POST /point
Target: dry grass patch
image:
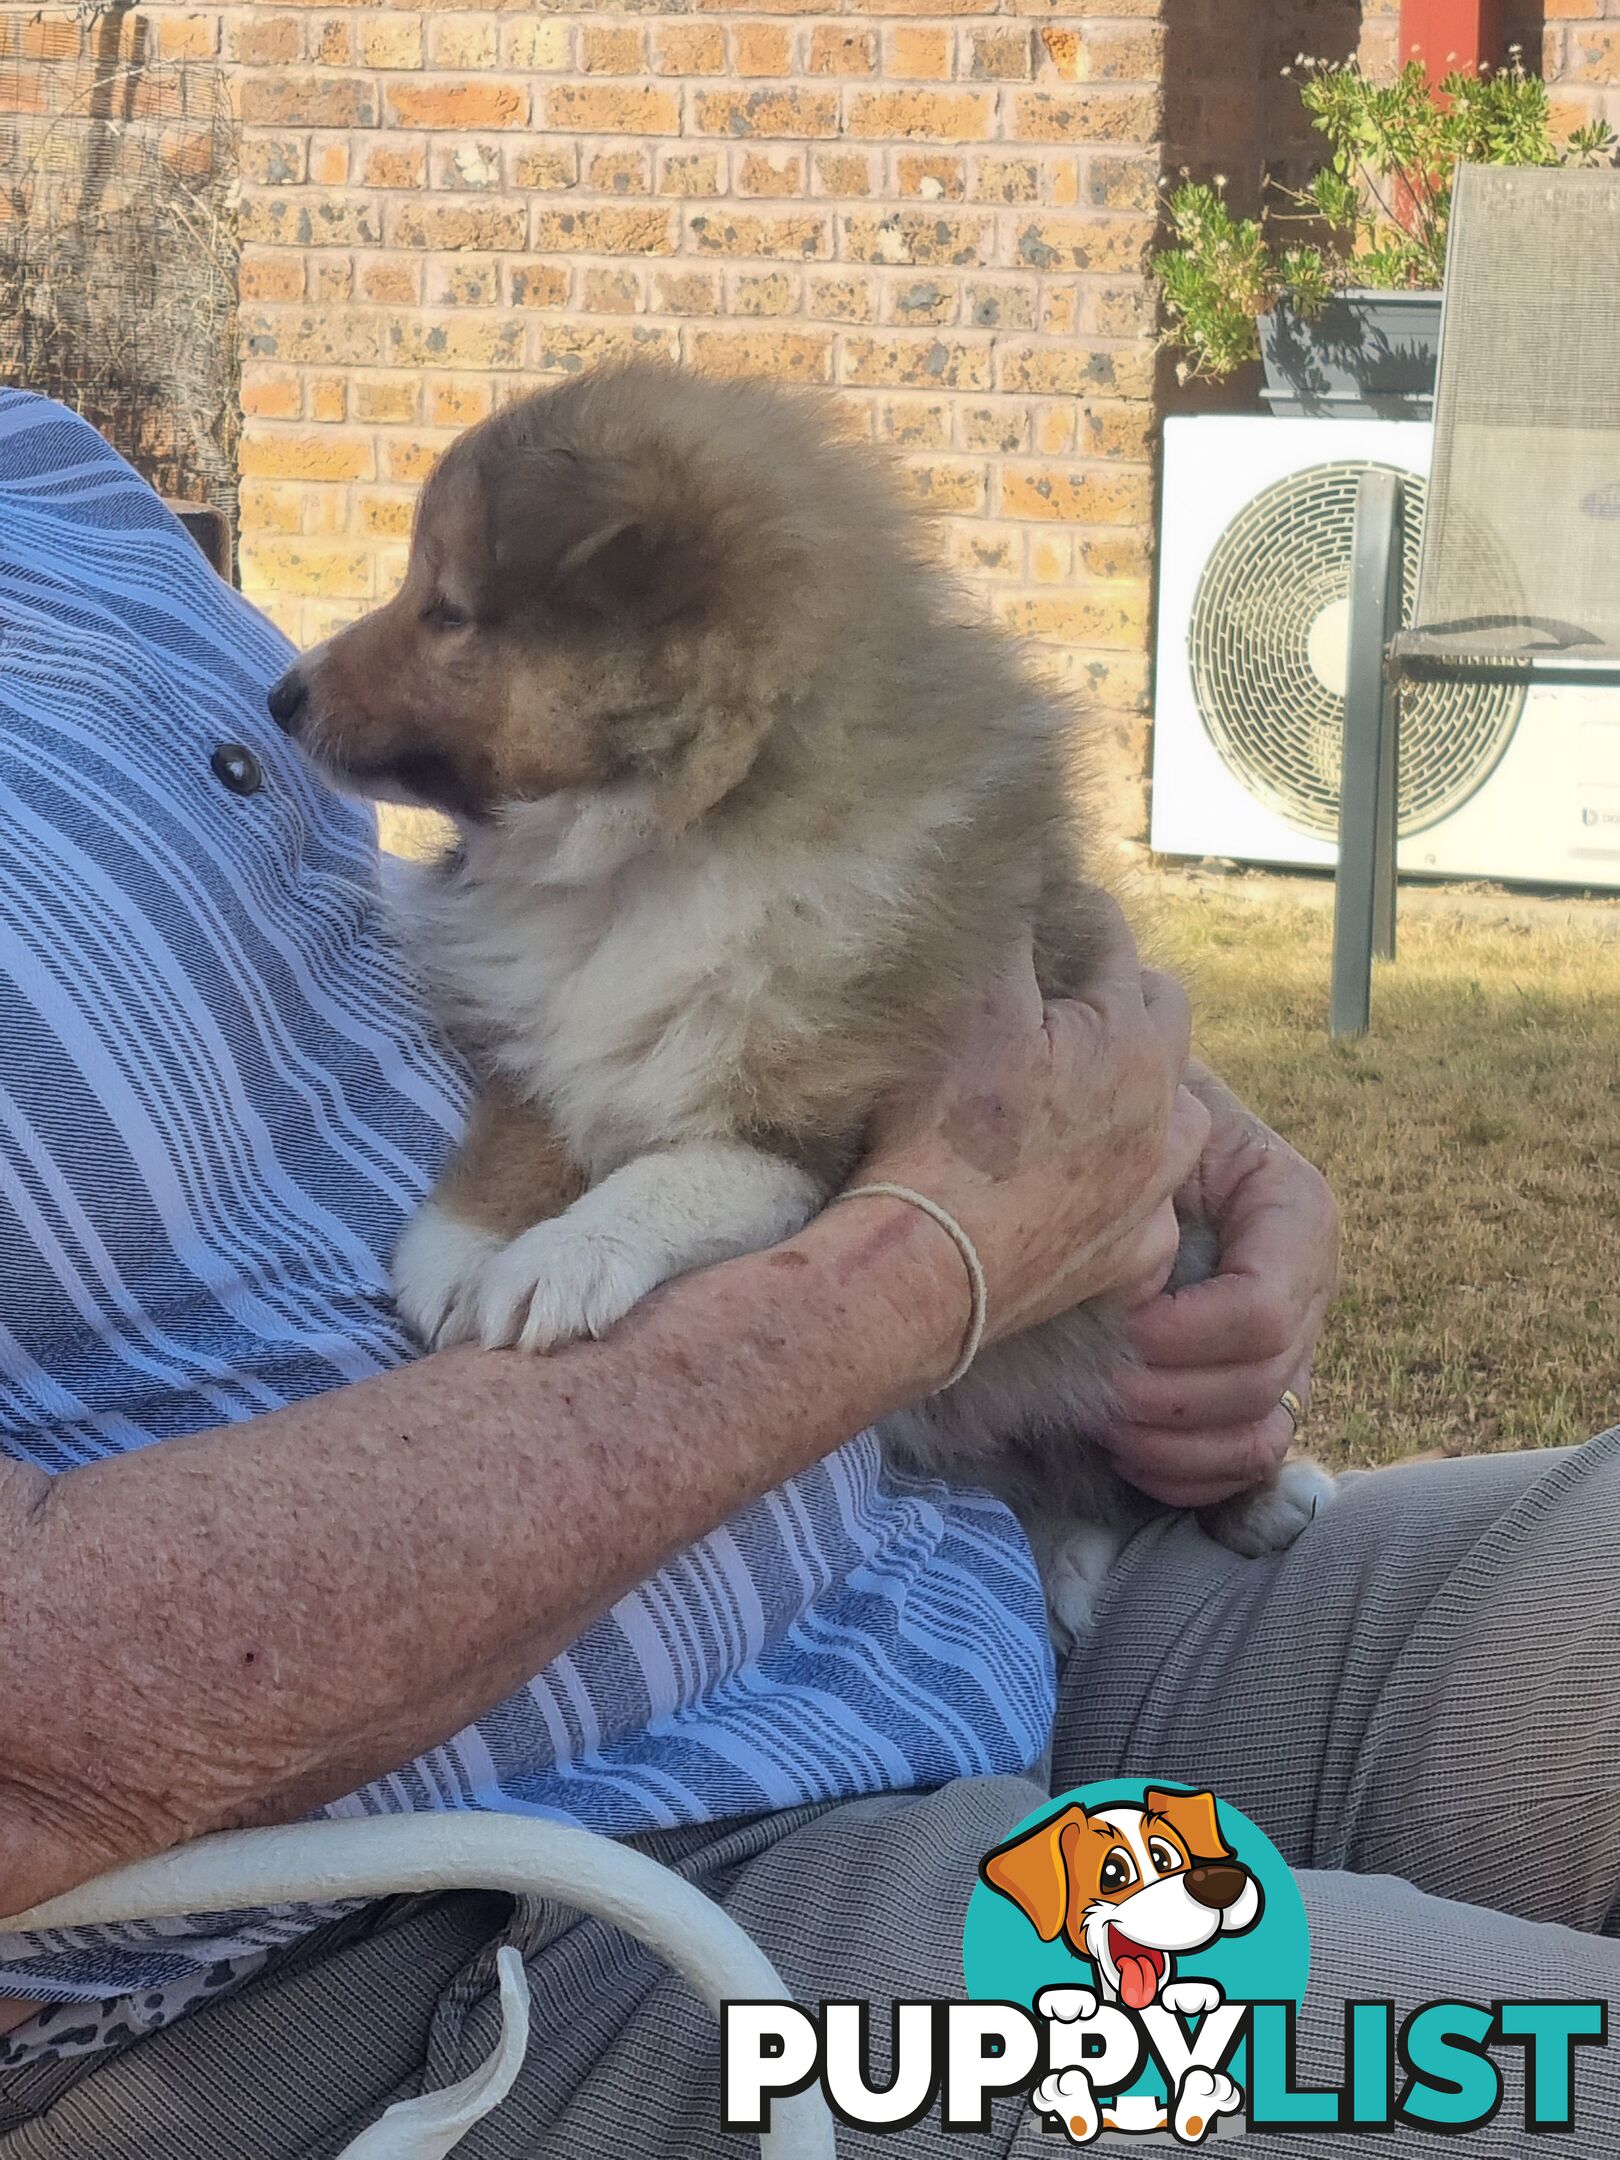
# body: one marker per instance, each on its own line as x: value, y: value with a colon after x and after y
x: 1473, y: 1140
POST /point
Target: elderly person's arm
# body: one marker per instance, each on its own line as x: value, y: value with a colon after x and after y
x: 238, y: 1626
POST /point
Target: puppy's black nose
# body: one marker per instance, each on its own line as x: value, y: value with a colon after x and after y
x: 1217, y: 1887
x: 287, y: 700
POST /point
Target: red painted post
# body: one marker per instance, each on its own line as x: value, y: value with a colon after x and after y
x: 1447, y: 34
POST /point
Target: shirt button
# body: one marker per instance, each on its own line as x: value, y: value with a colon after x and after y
x: 235, y: 767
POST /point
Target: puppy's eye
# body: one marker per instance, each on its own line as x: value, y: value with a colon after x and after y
x: 442, y: 614
x: 1118, y: 1872
x: 1164, y: 1857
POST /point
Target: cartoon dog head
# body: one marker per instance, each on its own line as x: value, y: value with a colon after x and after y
x: 1129, y: 1887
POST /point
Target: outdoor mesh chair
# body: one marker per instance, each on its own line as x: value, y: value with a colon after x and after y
x: 1519, y: 571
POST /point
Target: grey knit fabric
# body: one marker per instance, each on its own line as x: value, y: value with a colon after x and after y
x: 1427, y: 1688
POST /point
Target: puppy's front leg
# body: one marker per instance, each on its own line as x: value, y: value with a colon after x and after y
x: 659, y: 1215
x: 510, y: 1172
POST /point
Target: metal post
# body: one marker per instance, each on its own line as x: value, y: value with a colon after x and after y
x: 1364, y: 899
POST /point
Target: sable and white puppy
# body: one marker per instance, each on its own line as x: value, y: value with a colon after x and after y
x: 1132, y: 1888
x: 748, y: 808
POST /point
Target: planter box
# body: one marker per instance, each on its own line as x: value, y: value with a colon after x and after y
x: 1367, y: 355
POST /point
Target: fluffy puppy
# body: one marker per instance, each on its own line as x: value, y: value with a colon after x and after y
x: 748, y: 808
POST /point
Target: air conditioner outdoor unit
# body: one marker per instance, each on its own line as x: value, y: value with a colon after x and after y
x: 1497, y: 780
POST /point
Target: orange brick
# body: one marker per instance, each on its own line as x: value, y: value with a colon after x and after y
x: 379, y: 510
x: 621, y: 171
x: 917, y: 54
x: 320, y: 337
x: 329, y: 163
x: 326, y: 453
x: 459, y: 42
x: 611, y: 292
x: 928, y: 362
x: 1006, y: 304
x: 844, y: 173
x: 1076, y: 495
x: 1001, y: 430
x: 761, y: 49
x: 271, y: 393
x: 330, y: 277
x: 686, y: 292
x: 1123, y: 183
x: 458, y: 402
x: 570, y: 348
x: 545, y: 46
x: 689, y: 49
x: 922, y: 300
x: 538, y: 286
x: 835, y: 50
x: 1117, y: 430
x: 305, y: 219
x: 391, y: 41
x: 1071, y: 370
x: 264, y: 41
x: 690, y: 172
x: 1051, y: 557
x: 274, y: 160
x: 1123, y: 311
x: 997, y: 56
x: 479, y: 224
x: 612, y: 49
x: 798, y: 237
x: 1096, y: 616
x: 951, y: 485
x: 935, y: 175
x: 271, y: 506
x: 1115, y: 555
x: 1054, y: 430
x: 918, y: 423
x: 387, y: 398
x: 465, y: 342
x: 328, y: 398
x: 463, y: 281
x: 1086, y: 116
x: 766, y: 112
x: 762, y: 172
x: 1594, y: 55
x: 770, y: 292
x: 547, y: 169
x: 291, y: 100
x: 923, y: 115
x: 394, y: 165
x: 985, y: 550
x: 457, y: 105
x: 277, y: 276
x: 603, y: 231
x: 613, y: 109
x: 308, y: 566
x: 783, y: 355
x: 391, y: 283
x: 1080, y: 243
x: 331, y: 43
x: 935, y: 237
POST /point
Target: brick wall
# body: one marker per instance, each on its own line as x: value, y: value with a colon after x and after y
x: 941, y: 207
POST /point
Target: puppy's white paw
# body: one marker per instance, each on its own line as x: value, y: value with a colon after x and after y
x: 1191, y: 1998
x: 1202, y: 2098
x: 1268, y: 1521
x: 438, y: 1265
x: 1068, y: 2005
x: 1074, y: 1569
x: 560, y: 1281
x: 1067, y: 2094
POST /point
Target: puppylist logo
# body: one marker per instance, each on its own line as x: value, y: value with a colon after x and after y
x: 1135, y: 1956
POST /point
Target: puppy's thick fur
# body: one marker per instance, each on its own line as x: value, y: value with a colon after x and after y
x: 749, y: 807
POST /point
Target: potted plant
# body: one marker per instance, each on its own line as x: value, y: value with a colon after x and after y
x: 1346, y: 313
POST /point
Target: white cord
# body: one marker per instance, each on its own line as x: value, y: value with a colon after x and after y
x: 964, y: 1245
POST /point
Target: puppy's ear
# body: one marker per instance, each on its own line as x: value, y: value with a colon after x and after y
x: 591, y: 538
x: 1033, y: 1870
x: 1193, y: 1818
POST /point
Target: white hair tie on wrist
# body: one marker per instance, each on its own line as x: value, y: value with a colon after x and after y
x: 970, y: 1259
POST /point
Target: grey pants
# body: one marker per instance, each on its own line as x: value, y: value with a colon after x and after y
x: 1420, y: 1703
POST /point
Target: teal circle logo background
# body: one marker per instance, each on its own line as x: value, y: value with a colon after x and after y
x: 1004, y: 1960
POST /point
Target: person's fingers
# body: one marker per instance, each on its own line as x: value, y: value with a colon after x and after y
x: 1228, y: 1320
x: 1010, y: 1004
x: 1187, y: 1138
x: 1200, y: 1397
x: 1170, y: 1014
x: 1195, y: 1470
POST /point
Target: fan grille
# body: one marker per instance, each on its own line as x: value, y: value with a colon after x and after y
x: 1267, y: 647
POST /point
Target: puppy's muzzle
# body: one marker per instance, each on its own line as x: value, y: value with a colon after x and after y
x: 288, y: 701
x: 1216, y: 1887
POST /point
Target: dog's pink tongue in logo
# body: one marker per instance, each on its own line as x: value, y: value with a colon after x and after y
x: 1139, y: 1970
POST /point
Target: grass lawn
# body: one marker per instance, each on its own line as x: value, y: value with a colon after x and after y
x: 1473, y: 1140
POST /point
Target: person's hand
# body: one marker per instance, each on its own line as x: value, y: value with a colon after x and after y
x: 1057, y: 1137
x: 1204, y: 1416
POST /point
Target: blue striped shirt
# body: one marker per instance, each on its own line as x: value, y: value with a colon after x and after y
x: 220, y: 1098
